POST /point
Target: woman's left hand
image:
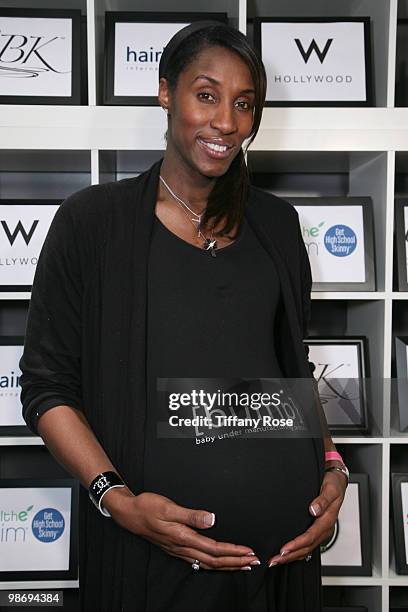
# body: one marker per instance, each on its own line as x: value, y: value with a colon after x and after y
x: 326, y: 508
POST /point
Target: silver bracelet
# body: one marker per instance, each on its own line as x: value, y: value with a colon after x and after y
x: 343, y: 470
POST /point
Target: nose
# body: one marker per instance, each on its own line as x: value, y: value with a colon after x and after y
x: 224, y: 118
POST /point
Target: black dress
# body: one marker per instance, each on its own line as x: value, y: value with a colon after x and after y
x: 214, y: 317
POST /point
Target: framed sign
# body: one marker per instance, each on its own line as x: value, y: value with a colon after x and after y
x: 24, y: 225
x: 348, y: 550
x: 401, y: 354
x: 134, y: 42
x: 39, y: 519
x: 11, y: 419
x: 401, y: 235
x: 339, y: 238
x: 399, y: 483
x: 40, y: 56
x: 341, y: 368
x: 316, y: 61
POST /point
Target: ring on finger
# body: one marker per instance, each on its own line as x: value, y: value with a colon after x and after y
x: 308, y: 557
x: 196, y: 564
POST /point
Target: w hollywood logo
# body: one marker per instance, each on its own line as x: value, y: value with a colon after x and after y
x: 306, y: 53
x: 19, y: 229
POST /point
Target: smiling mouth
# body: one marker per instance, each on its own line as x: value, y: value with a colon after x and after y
x: 218, y: 151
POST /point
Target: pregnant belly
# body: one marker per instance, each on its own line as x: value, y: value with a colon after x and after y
x: 259, y: 489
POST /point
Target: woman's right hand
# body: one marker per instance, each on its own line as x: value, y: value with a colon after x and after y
x: 164, y: 523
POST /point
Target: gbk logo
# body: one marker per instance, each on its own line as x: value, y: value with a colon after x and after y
x: 306, y: 53
x: 19, y: 229
x: 18, y: 49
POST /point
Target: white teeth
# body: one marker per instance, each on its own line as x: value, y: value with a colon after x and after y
x: 215, y: 147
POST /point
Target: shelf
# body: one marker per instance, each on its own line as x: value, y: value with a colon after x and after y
x: 348, y: 295
x: 21, y: 441
x: 358, y: 440
x: 315, y: 295
x: 39, y: 584
x: 397, y: 579
x: 141, y: 127
x: 399, y: 438
x: 374, y: 580
x: 15, y: 295
x: 399, y: 295
x: 37, y: 441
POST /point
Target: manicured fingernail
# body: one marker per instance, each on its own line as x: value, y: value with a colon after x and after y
x: 272, y: 563
x: 284, y: 552
x: 256, y: 562
x: 315, y: 509
x: 209, y: 519
x: 246, y: 567
x: 251, y: 553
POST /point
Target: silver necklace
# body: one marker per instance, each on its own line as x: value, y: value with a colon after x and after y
x: 209, y: 244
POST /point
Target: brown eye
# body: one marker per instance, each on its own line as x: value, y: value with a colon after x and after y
x: 205, y: 95
x: 244, y: 105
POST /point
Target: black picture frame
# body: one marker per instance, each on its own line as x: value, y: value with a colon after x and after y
x: 13, y: 430
x: 369, y: 101
x: 46, y: 575
x: 361, y: 344
x: 401, y: 553
x: 75, y: 16
x: 369, y: 248
x: 25, y: 202
x: 401, y: 344
x: 114, y: 17
x: 401, y: 68
x: 401, y: 237
x: 364, y: 533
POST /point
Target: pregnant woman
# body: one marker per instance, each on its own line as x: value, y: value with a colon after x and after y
x: 189, y: 272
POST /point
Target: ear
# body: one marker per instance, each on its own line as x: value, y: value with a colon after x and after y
x: 164, y: 93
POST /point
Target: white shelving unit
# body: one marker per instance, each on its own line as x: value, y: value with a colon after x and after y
x: 52, y: 151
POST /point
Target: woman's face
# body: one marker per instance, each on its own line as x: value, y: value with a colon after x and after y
x: 210, y: 111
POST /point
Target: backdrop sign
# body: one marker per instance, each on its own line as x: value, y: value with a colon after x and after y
x: 134, y: 43
x: 138, y: 49
x: 401, y: 230
x: 316, y: 61
x: 23, y: 228
x: 36, y: 529
x: 399, y: 483
x: 39, y: 56
x: 401, y: 354
x: 10, y: 404
x: 340, y: 371
x: 406, y: 241
x: 338, y: 234
x: 348, y: 553
x: 404, y: 502
x: 349, y: 517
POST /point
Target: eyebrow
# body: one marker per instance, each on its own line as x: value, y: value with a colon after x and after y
x: 215, y: 82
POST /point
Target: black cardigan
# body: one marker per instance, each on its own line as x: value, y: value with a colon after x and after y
x: 85, y: 347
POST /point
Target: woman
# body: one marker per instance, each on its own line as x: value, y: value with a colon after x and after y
x: 184, y: 271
